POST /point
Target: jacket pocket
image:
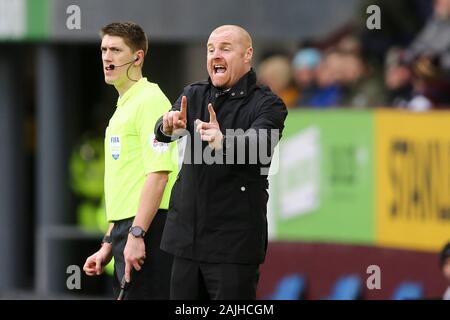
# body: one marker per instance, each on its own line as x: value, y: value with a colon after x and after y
x: 229, y: 206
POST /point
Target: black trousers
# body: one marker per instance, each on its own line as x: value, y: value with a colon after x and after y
x: 192, y: 280
x: 152, y: 282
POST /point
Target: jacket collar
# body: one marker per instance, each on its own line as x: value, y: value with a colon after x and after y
x: 240, y: 89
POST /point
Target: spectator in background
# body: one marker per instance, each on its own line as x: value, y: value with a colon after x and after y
x: 361, y: 85
x: 434, y: 39
x: 305, y: 65
x: 419, y: 85
x: 275, y: 72
x: 445, y: 267
x: 329, y: 91
x: 431, y: 85
x: 350, y: 44
x: 429, y: 57
x: 397, y: 79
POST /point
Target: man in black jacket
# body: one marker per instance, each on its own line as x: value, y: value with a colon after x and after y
x: 216, y: 226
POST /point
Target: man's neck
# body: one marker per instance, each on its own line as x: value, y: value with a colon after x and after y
x: 127, y: 84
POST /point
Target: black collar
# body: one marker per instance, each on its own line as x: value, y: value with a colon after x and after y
x: 240, y: 89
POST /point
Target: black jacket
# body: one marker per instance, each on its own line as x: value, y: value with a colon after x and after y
x: 217, y: 212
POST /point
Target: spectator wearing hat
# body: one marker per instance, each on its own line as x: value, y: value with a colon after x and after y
x: 305, y: 65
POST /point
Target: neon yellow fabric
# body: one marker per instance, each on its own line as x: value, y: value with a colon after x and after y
x: 131, y: 151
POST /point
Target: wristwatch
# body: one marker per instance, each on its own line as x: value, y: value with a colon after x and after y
x: 107, y: 239
x: 137, y: 231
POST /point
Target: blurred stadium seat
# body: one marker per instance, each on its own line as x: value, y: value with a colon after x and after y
x: 408, y: 291
x: 290, y: 287
x: 347, y: 287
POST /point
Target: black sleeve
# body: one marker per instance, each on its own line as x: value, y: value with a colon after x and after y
x: 159, y: 135
x: 259, y: 141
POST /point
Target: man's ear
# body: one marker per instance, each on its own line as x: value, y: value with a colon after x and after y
x: 139, y: 56
x: 248, y: 55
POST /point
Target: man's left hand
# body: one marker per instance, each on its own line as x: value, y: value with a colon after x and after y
x: 210, y: 131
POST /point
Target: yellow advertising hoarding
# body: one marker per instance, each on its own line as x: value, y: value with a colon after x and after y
x: 412, y: 176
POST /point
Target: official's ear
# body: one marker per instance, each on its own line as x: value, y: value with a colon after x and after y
x: 139, y: 57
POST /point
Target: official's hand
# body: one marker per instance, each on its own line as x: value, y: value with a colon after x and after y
x: 210, y: 131
x: 175, y: 121
x: 134, y: 255
x: 95, y: 264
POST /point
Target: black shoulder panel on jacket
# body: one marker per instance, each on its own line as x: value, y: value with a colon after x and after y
x: 199, y: 83
x: 265, y: 89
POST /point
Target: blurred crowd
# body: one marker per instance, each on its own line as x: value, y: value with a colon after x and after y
x: 405, y: 64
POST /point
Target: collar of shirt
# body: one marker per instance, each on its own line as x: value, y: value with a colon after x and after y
x: 131, y: 91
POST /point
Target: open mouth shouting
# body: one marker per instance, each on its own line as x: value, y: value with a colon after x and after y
x: 220, y: 74
x: 219, y: 68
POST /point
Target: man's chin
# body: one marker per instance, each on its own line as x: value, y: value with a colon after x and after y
x: 109, y: 80
x: 218, y: 83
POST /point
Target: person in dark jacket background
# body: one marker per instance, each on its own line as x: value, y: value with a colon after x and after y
x: 216, y: 226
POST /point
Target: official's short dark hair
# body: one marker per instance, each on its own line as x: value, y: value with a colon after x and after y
x: 132, y: 34
x: 445, y: 253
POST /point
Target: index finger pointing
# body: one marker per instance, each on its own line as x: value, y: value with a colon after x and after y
x: 212, y: 114
x: 183, y: 107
